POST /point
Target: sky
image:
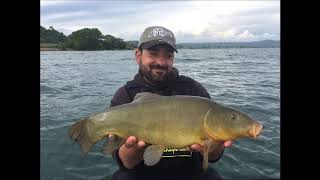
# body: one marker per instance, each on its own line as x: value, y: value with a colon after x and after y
x: 190, y: 21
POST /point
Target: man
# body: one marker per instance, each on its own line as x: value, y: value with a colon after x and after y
x: 155, y: 56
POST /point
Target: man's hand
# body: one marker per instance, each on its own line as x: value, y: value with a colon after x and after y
x: 131, y: 152
x: 214, y: 154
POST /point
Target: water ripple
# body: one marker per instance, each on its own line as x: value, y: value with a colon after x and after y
x: 74, y: 84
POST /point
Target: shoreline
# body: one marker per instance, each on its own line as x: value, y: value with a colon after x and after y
x: 58, y: 49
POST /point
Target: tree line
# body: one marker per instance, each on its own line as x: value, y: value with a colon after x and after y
x: 83, y: 39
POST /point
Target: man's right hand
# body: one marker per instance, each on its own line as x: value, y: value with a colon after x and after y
x: 131, y: 152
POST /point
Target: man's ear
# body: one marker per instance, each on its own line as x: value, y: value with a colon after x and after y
x: 138, y: 55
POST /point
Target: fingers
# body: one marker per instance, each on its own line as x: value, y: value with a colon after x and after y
x: 133, y: 142
x: 199, y: 148
x: 112, y: 137
x: 141, y: 144
x: 196, y: 147
x: 130, y: 142
x: 227, y: 143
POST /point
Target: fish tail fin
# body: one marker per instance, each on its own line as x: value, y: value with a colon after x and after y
x: 79, y: 133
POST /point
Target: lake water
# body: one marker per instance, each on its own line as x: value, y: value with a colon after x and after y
x: 75, y: 84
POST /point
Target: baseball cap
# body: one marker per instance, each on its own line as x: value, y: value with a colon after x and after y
x: 155, y: 35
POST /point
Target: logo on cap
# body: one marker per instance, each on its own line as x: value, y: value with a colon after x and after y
x: 156, y: 32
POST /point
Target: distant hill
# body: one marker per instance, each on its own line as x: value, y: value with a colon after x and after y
x: 215, y: 45
x: 212, y: 45
x: 93, y: 39
x: 132, y: 44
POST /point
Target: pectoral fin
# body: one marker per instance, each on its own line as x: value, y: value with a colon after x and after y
x: 152, y: 154
x: 112, y: 144
x: 207, y: 148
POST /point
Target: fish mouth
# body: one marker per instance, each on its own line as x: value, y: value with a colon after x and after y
x: 255, y: 130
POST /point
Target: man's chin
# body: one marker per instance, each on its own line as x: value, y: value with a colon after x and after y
x: 158, y: 77
x: 155, y: 75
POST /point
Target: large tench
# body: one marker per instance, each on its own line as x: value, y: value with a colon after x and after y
x: 165, y: 122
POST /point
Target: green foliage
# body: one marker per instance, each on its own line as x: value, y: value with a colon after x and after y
x: 110, y: 42
x: 51, y: 35
x: 83, y: 39
x: 92, y: 39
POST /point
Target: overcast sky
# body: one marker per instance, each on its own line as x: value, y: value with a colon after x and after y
x: 190, y: 21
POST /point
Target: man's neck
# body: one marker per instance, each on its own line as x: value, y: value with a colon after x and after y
x: 148, y: 80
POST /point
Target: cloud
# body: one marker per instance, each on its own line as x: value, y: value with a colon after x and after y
x: 191, y: 21
x: 244, y: 23
x: 50, y: 3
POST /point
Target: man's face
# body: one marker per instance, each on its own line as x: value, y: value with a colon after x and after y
x: 156, y: 62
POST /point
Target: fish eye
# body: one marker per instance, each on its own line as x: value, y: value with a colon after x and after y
x: 233, y: 116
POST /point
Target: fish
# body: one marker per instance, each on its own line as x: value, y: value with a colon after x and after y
x: 165, y: 122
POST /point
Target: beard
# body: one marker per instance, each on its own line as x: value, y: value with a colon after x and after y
x: 156, y: 73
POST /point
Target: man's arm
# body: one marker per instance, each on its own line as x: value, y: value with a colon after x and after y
x: 199, y: 90
x: 120, y: 97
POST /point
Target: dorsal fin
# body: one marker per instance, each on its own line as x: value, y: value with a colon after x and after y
x: 144, y: 96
